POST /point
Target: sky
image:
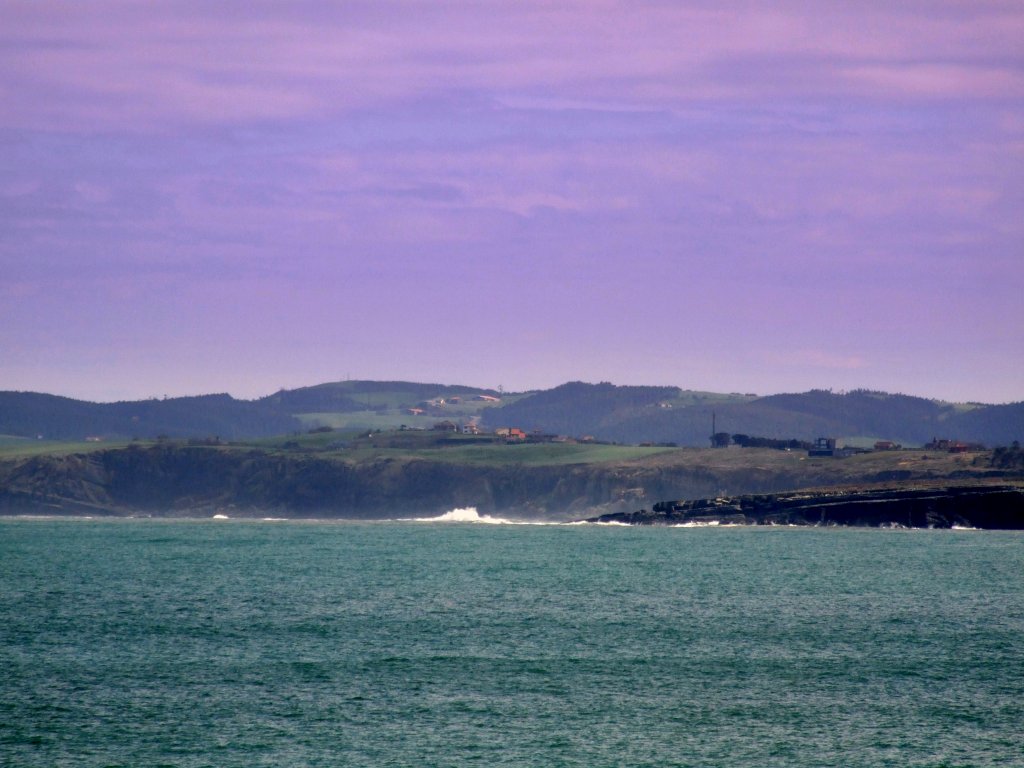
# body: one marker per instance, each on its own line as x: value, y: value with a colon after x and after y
x: 731, y: 196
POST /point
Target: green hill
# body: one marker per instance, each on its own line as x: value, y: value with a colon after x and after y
x: 352, y: 396
x: 623, y: 414
x: 30, y: 414
x: 665, y: 414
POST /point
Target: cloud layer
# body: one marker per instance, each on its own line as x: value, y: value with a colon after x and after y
x: 714, y: 195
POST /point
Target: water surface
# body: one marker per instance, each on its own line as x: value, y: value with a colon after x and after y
x: 223, y: 643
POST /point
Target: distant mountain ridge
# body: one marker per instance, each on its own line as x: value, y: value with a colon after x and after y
x: 626, y: 414
x: 31, y: 414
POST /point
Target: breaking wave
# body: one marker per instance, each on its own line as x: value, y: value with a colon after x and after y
x: 603, y: 522
x: 470, y: 515
x: 465, y: 515
x: 698, y: 524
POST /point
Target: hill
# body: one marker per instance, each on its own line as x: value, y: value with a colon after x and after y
x: 30, y: 414
x: 347, y: 404
x: 606, y: 412
x: 665, y: 414
x: 360, y: 395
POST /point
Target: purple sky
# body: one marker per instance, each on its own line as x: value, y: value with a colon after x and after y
x: 203, y: 197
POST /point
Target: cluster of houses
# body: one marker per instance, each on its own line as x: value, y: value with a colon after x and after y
x: 439, y: 403
x: 469, y: 428
x: 826, y: 446
x: 952, y: 446
x: 509, y: 434
x: 437, y: 406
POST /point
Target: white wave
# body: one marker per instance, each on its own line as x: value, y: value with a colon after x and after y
x: 965, y: 528
x: 698, y: 524
x: 221, y: 517
x: 464, y: 515
x: 470, y: 515
x: 598, y: 522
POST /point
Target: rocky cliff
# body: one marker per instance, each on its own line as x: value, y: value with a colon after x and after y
x: 181, y: 480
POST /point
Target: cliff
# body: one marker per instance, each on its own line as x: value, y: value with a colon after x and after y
x: 185, y: 480
x: 195, y: 480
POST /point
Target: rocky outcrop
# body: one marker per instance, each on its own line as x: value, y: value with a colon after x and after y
x: 987, y: 507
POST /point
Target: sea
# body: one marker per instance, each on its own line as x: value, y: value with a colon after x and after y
x: 464, y: 640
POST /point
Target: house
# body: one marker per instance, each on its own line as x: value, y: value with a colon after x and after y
x: 470, y: 429
x: 414, y: 411
x: 488, y: 398
x: 446, y: 426
x: 510, y: 433
x: 826, y: 446
x: 887, y: 445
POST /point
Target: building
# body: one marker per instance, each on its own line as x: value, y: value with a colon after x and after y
x: 826, y: 446
x: 510, y: 433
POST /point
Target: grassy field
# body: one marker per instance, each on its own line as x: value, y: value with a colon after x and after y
x: 398, y: 399
x: 690, y: 397
x: 20, y: 447
x: 486, y: 450
x: 453, y: 448
x: 363, y: 420
x: 388, y: 410
x: 832, y: 471
x: 536, y: 454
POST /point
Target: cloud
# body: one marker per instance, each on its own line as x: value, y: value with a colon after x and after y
x: 816, y: 358
x: 716, y: 169
x: 120, y: 66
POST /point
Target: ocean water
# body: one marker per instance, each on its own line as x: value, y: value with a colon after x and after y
x: 449, y: 643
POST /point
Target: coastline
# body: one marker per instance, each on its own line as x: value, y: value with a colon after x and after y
x: 985, y: 507
x: 753, y: 486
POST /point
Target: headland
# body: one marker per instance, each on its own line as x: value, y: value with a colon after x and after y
x: 991, y: 507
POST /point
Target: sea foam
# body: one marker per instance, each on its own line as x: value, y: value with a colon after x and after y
x: 465, y: 515
x: 471, y: 515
